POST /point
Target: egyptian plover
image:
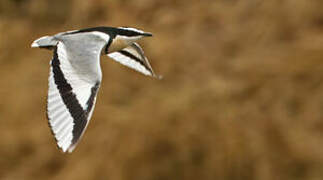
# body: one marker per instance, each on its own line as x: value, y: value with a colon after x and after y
x: 75, y: 74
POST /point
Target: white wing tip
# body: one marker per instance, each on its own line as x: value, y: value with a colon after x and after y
x: 34, y: 44
x: 66, y: 147
x: 71, y: 148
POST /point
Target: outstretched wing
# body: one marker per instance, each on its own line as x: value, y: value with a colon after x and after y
x: 133, y: 57
x: 74, y: 81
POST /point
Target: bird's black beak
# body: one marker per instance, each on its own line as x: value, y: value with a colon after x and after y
x: 147, y: 34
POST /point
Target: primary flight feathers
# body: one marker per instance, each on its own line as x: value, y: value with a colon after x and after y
x: 75, y: 74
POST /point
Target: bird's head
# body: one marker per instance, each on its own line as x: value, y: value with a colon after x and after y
x: 125, y: 36
x: 116, y: 39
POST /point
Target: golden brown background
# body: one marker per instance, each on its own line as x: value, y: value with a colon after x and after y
x: 241, y: 98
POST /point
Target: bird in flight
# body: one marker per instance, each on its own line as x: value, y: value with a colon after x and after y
x: 75, y: 74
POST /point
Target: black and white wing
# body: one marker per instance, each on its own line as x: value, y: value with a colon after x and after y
x: 74, y: 80
x: 133, y: 57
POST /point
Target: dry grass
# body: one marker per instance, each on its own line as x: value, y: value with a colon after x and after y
x: 241, y: 98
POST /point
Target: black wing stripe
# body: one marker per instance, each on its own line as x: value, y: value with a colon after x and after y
x: 69, y: 98
x: 90, y: 101
x: 131, y: 56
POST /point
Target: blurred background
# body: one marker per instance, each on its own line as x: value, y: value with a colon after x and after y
x: 241, y: 97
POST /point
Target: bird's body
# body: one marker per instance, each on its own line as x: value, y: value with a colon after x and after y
x: 75, y: 74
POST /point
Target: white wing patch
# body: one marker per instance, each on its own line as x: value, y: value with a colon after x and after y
x: 70, y: 100
x: 81, y: 88
x: 59, y: 117
x: 133, y: 57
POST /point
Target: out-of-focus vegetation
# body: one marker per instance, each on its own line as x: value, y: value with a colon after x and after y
x: 241, y: 98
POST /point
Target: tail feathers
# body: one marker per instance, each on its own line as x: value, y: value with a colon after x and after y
x: 47, y: 42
